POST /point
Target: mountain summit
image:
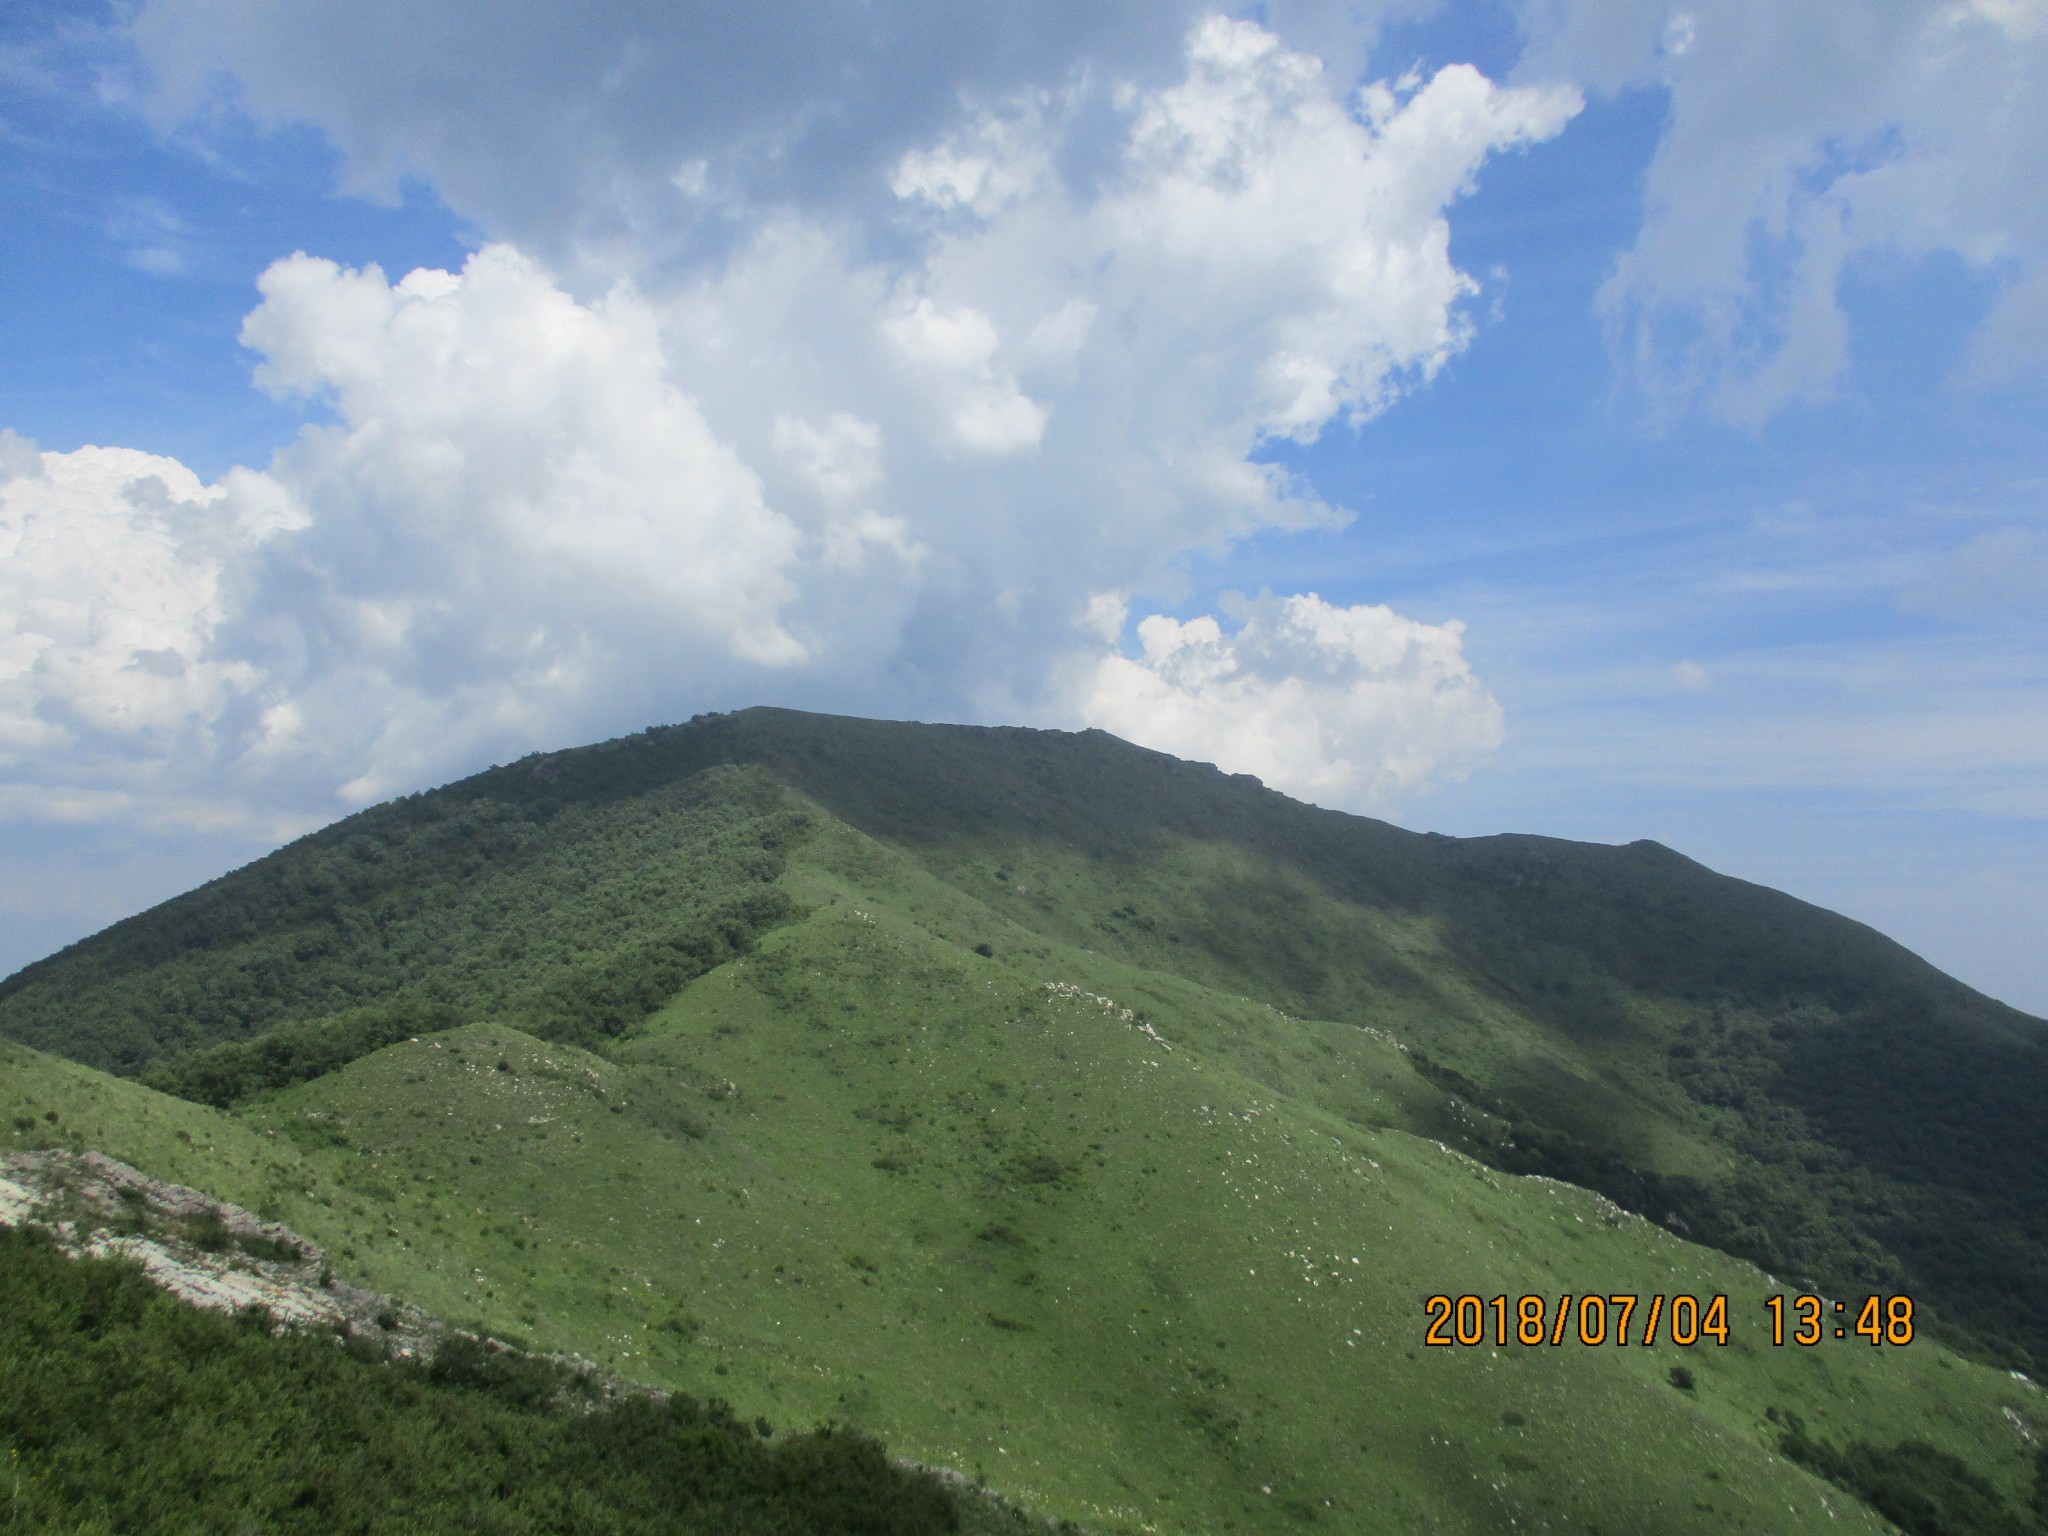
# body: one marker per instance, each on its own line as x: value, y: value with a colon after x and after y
x: 917, y: 1074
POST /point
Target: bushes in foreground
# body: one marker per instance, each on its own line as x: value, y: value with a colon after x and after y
x: 123, y: 1410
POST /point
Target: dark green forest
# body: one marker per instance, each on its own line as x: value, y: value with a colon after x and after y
x: 224, y: 1075
x: 574, y: 917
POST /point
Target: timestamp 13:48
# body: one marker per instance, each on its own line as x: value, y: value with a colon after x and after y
x: 1880, y: 1319
x: 1682, y: 1320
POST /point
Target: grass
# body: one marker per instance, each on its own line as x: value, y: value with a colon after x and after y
x: 868, y: 1174
x: 122, y: 1410
x: 1772, y: 1079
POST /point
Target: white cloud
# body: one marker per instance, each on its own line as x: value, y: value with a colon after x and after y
x: 516, y: 523
x: 873, y: 459
x: 1802, y: 138
x: 511, y: 463
x: 1070, y: 384
x: 519, y: 520
x: 1343, y: 706
x: 1105, y: 615
x: 841, y: 462
x: 957, y: 348
x: 842, y: 459
x: 115, y: 577
x: 1316, y: 235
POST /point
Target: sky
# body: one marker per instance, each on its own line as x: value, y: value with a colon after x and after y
x: 1600, y: 418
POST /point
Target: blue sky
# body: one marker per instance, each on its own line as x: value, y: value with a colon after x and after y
x: 1612, y: 421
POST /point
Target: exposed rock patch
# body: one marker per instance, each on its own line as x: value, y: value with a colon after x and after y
x: 203, y: 1251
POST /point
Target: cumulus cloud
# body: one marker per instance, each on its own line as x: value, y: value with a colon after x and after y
x: 867, y: 457
x: 515, y: 461
x: 116, y: 575
x: 517, y: 514
x: 985, y: 410
x: 1072, y: 385
x: 616, y: 127
x: 515, y: 522
x: 1068, y: 389
x: 1343, y: 706
x: 1801, y: 138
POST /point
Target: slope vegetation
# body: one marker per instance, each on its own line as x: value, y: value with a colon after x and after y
x: 939, y: 1159
x: 1747, y: 1070
x: 576, y: 915
x: 124, y: 1410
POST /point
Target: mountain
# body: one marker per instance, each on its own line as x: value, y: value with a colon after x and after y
x: 1099, y: 1122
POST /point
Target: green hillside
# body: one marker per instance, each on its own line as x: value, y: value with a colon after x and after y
x: 1757, y: 1073
x: 580, y: 915
x: 1097, y: 1124
x: 124, y: 1410
x: 871, y: 1176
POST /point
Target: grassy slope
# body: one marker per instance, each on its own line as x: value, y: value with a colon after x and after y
x: 870, y: 1174
x: 1790, y: 1085
x: 1770, y: 1078
x: 123, y: 1410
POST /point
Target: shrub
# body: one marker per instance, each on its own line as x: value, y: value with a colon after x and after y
x: 112, y: 1394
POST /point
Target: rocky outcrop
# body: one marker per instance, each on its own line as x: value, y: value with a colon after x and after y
x: 202, y: 1250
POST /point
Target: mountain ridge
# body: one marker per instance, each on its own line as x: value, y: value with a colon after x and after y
x: 1029, y: 1148
x: 800, y: 748
x: 1782, y: 1082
